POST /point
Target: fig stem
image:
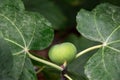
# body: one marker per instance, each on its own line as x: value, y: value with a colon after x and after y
x: 68, y: 77
x: 40, y: 69
x: 88, y: 49
x: 45, y: 62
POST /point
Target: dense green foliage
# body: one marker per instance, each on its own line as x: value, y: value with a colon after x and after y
x: 27, y: 26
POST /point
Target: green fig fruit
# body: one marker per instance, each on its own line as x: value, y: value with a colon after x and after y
x: 64, y: 52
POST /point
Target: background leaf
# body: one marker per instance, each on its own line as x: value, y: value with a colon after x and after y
x: 102, y: 25
x: 24, y: 31
x: 115, y: 2
x: 49, y: 10
x: 51, y: 74
x: 6, y: 60
x: 18, y: 4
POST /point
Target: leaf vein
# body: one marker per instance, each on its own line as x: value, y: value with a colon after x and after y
x: 103, y: 61
x: 14, y: 42
x: 113, y: 18
x: 32, y: 36
x: 97, y: 26
x: 117, y: 50
x: 112, y: 33
x: 117, y: 41
x: 23, y: 65
x: 17, y: 53
x: 15, y: 27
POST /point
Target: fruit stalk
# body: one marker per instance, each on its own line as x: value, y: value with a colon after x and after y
x: 87, y: 50
x: 45, y: 62
x: 68, y: 77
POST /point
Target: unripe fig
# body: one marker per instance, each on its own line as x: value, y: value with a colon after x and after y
x: 64, y: 52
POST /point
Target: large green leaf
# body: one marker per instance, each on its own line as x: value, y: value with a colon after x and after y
x: 24, y: 31
x: 102, y: 25
x: 6, y: 60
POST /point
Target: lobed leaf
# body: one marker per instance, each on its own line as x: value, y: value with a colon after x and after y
x: 24, y: 31
x: 102, y: 25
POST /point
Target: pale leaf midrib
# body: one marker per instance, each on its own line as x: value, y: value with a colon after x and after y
x: 22, y: 66
x: 117, y: 50
x: 32, y: 36
x: 9, y: 40
x: 104, y: 65
x: 97, y: 26
x: 113, y: 42
x: 117, y: 28
x: 15, y: 28
x: 17, y: 53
